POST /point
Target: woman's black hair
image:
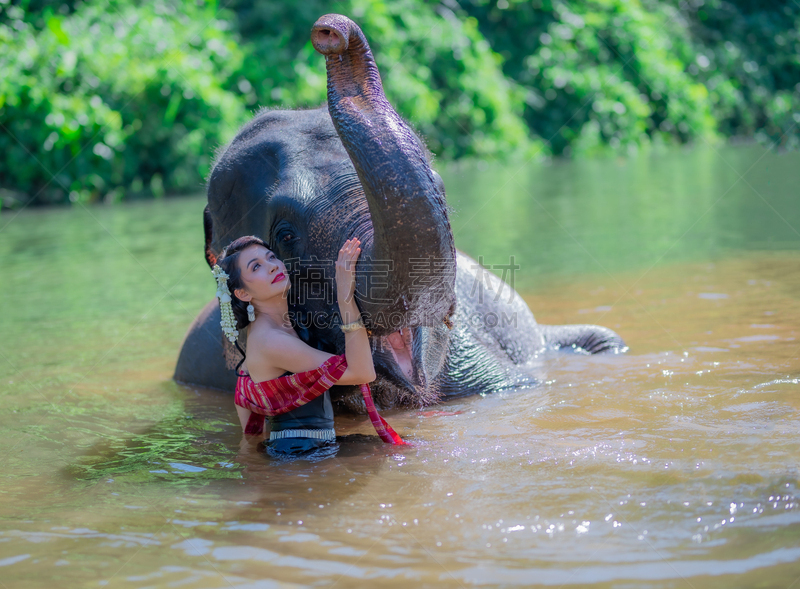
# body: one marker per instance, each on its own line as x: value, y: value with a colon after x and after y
x: 228, y: 262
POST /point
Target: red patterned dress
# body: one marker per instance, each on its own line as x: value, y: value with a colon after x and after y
x: 283, y: 395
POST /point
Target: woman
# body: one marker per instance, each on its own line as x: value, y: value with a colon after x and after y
x: 257, y: 283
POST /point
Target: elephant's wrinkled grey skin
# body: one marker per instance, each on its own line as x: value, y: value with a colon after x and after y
x: 306, y: 181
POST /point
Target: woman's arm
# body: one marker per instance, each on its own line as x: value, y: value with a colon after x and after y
x: 244, y: 416
x: 360, y: 368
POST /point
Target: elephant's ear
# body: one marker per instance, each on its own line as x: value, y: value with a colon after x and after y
x: 208, y: 227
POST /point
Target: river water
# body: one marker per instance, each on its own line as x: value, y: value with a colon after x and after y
x: 675, y: 465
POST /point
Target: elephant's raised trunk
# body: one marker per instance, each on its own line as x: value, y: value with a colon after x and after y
x: 407, y: 270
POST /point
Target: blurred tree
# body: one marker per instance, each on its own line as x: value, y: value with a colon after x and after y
x: 599, y: 73
x: 620, y: 73
x: 114, y: 99
x: 747, y: 53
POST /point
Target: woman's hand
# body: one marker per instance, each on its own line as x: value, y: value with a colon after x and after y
x: 346, y: 270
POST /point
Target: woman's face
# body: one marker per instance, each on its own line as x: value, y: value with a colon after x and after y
x: 263, y: 274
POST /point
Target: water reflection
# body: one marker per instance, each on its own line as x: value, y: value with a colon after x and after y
x: 606, y: 216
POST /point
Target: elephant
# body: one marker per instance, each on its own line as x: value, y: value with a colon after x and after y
x: 305, y: 181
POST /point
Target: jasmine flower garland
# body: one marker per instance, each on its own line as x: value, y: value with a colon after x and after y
x: 228, y: 321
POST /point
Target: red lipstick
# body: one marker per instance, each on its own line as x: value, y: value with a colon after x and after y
x: 279, y: 277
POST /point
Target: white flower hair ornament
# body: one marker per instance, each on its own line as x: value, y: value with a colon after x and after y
x: 228, y: 321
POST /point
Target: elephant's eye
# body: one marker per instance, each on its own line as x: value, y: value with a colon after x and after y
x: 287, y: 238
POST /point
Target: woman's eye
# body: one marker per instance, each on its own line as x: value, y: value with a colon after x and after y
x: 256, y: 267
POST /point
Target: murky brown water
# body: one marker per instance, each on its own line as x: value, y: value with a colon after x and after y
x: 676, y: 465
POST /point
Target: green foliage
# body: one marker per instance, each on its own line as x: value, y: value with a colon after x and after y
x: 623, y: 73
x: 598, y: 74
x: 747, y: 53
x: 114, y: 99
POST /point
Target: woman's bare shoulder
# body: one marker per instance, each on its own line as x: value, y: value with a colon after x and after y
x: 274, y: 351
x: 263, y: 338
x: 265, y: 346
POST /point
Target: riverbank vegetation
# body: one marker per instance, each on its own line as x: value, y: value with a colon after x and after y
x: 114, y: 99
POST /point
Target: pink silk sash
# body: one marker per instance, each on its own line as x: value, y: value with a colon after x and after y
x: 283, y: 394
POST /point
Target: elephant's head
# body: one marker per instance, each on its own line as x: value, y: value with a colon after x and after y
x: 306, y: 181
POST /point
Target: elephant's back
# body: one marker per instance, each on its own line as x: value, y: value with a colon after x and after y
x: 501, y: 312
